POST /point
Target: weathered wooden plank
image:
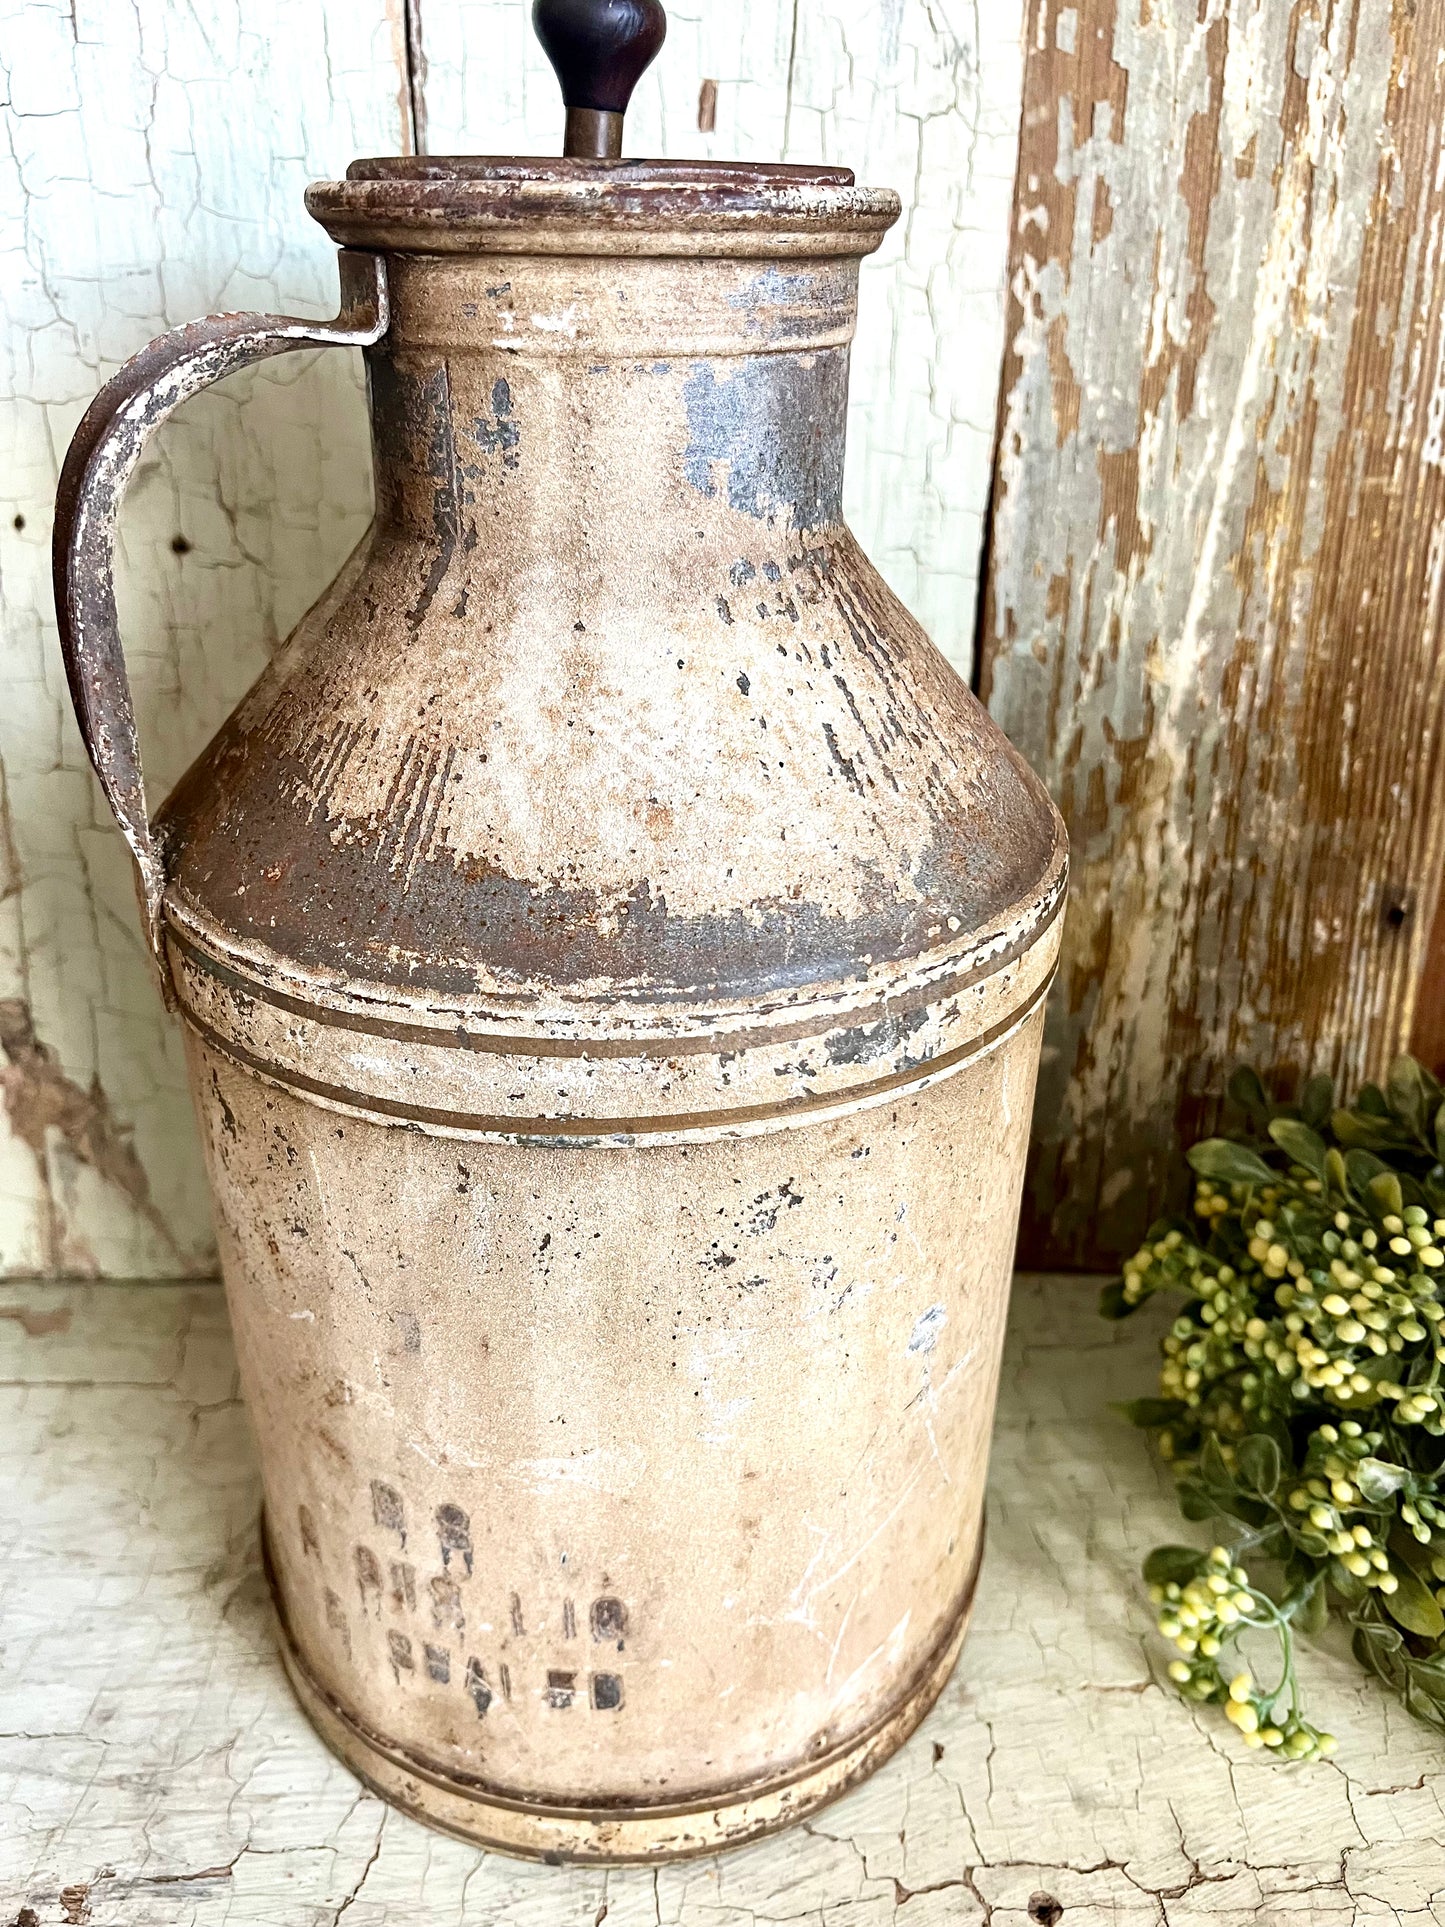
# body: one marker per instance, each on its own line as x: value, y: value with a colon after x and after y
x: 1213, y: 616
x: 153, y: 172
x: 918, y: 95
x: 1059, y: 1766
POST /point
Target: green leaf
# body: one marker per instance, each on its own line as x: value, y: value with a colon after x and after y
x: 1316, y: 1101
x: 1224, y: 1162
x: 1212, y: 1467
x: 1362, y: 1166
x: 1249, y: 1094
x: 1312, y: 1613
x: 1300, y: 1145
x: 1150, y: 1413
x: 1384, y: 1193
x: 1375, y: 1644
x: 1377, y: 1633
x: 1431, y: 1674
x: 1259, y: 1463
x: 1406, y: 1094
x: 1377, y: 1659
x: 1195, y: 1501
x: 1360, y: 1129
x: 1113, y: 1303
x: 1371, y: 1099
x: 1421, y: 1702
x: 1172, y: 1565
x: 1413, y: 1605
x: 1440, y: 1134
x: 1379, y: 1480
x: 1407, y: 1550
x: 1335, y: 1172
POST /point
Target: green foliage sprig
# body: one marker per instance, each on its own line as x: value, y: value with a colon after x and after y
x: 1302, y: 1395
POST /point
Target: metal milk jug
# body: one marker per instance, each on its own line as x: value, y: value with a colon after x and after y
x: 611, y: 944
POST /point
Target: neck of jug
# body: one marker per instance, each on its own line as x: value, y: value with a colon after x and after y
x: 563, y: 428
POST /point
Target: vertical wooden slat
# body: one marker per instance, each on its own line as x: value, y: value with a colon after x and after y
x: 1213, y: 618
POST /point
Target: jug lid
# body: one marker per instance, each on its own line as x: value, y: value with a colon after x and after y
x: 442, y: 205
x: 591, y: 200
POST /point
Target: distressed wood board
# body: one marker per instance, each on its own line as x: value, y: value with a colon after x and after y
x: 153, y: 172
x: 1213, y: 620
x: 155, y: 1772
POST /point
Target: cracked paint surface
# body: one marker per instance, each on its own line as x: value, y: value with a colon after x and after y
x: 152, y: 172
x: 152, y: 167
x: 1058, y: 1771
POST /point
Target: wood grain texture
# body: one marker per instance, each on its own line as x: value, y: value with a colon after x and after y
x: 153, y: 172
x: 1213, y: 617
x: 1059, y: 1765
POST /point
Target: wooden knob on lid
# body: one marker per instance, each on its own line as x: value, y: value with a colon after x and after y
x: 600, y: 49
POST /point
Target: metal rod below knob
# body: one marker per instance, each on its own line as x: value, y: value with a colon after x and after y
x: 599, y: 49
x: 592, y: 134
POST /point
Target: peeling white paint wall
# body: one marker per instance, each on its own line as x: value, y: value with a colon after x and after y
x: 154, y: 161
x: 152, y: 171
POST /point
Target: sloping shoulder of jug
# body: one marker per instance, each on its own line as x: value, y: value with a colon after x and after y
x: 622, y: 824
x: 473, y: 204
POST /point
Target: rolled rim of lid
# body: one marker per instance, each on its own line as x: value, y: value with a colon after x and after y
x: 441, y: 204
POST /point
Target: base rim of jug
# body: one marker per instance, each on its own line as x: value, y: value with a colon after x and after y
x: 608, y: 1835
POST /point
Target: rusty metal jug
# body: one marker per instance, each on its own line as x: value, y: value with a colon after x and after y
x: 611, y: 945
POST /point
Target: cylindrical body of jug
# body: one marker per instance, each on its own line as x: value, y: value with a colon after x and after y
x: 612, y: 946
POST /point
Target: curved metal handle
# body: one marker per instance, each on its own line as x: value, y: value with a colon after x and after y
x: 102, y: 455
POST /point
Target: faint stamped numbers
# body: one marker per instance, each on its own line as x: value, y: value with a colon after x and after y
x: 440, y: 1649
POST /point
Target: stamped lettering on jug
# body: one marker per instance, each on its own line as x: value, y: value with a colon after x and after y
x: 609, y: 1621
x: 336, y: 1620
x: 368, y: 1579
x: 454, y: 1533
x: 403, y: 1587
x: 606, y: 1692
x: 446, y: 1604
x: 386, y: 1509
x: 477, y: 1686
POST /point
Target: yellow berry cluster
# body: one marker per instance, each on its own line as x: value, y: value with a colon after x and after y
x: 1199, y: 1616
x: 1302, y: 1393
x: 1339, y: 1324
